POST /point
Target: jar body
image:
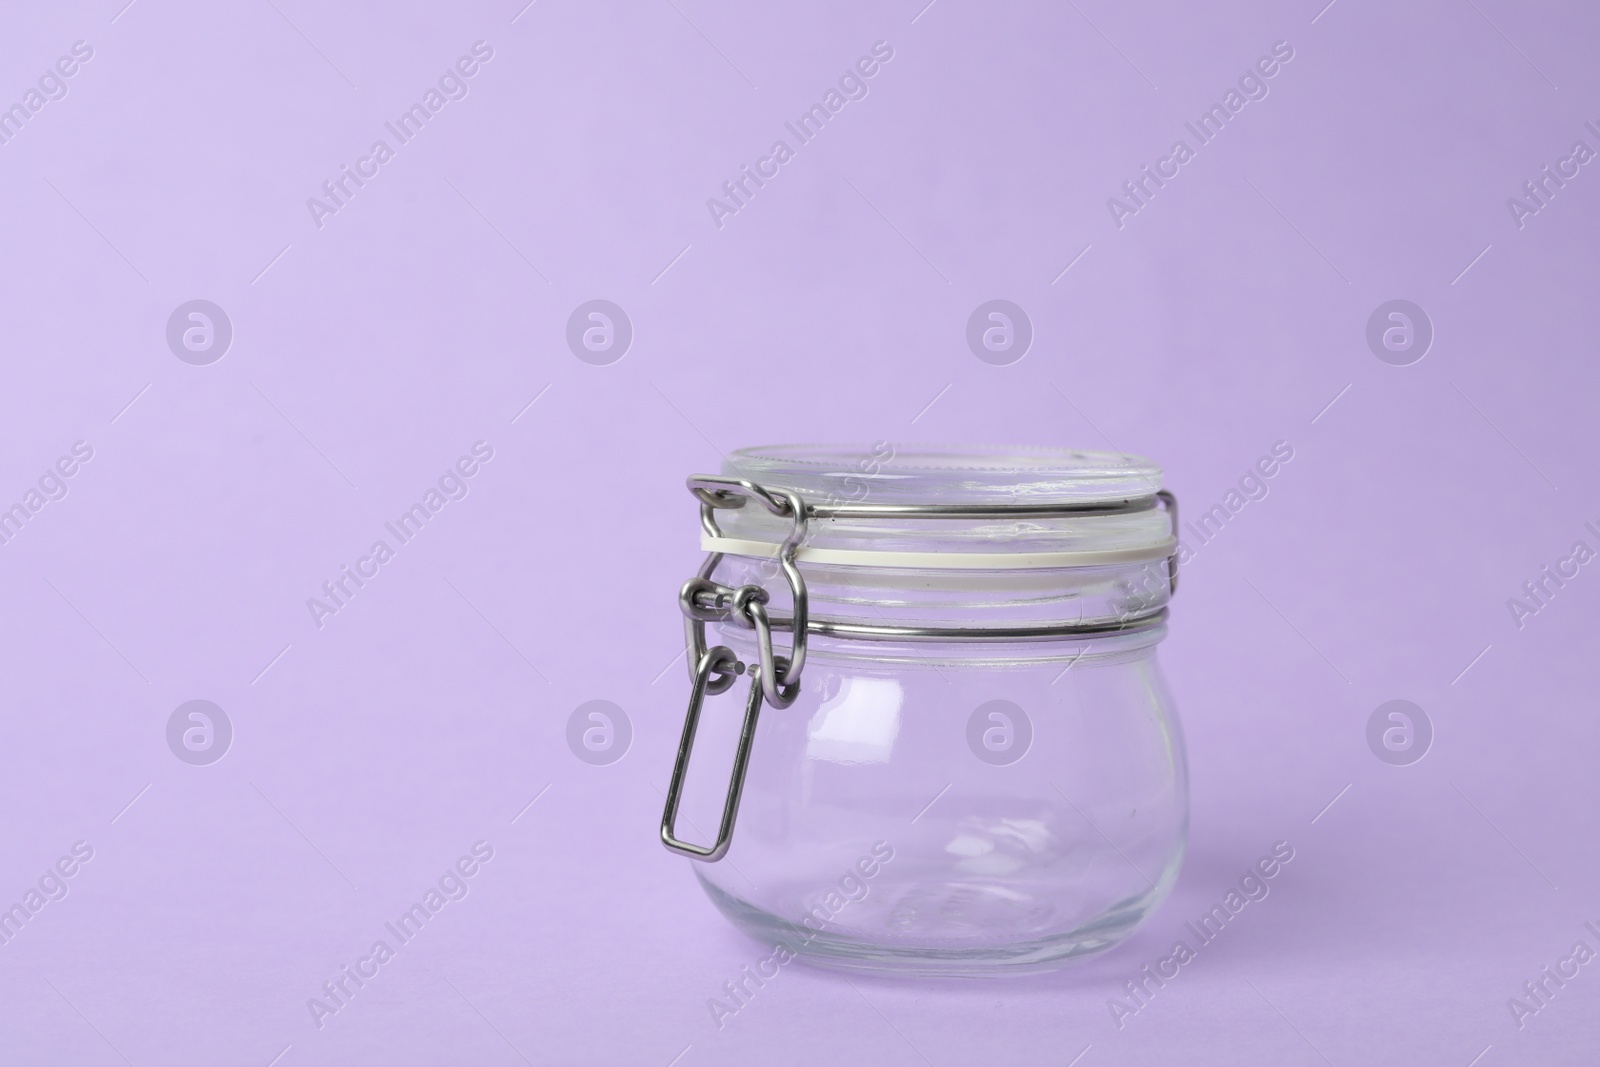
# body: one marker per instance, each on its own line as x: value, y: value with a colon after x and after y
x: 951, y: 809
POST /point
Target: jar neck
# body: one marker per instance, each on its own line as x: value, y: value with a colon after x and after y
x: 1059, y: 653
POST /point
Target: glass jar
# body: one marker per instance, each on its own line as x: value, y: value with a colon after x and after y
x: 968, y: 763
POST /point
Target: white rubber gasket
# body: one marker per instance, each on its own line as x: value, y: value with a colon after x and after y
x: 952, y: 561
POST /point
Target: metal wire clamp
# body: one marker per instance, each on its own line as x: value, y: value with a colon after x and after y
x: 721, y: 661
x: 775, y: 679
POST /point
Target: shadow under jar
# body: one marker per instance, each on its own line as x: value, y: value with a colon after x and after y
x: 968, y: 763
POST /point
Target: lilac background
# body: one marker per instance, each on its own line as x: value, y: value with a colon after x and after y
x: 427, y: 314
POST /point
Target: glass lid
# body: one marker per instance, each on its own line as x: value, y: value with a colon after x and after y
x: 893, y: 473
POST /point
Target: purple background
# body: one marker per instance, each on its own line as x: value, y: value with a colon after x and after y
x: 369, y: 353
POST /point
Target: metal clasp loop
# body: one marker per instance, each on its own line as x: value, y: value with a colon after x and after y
x: 781, y: 676
x: 721, y: 661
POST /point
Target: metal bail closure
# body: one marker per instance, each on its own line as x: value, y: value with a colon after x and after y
x: 775, y: 678
x: 722, y: 662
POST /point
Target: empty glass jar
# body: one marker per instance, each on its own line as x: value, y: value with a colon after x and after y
x: 952, y: 750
